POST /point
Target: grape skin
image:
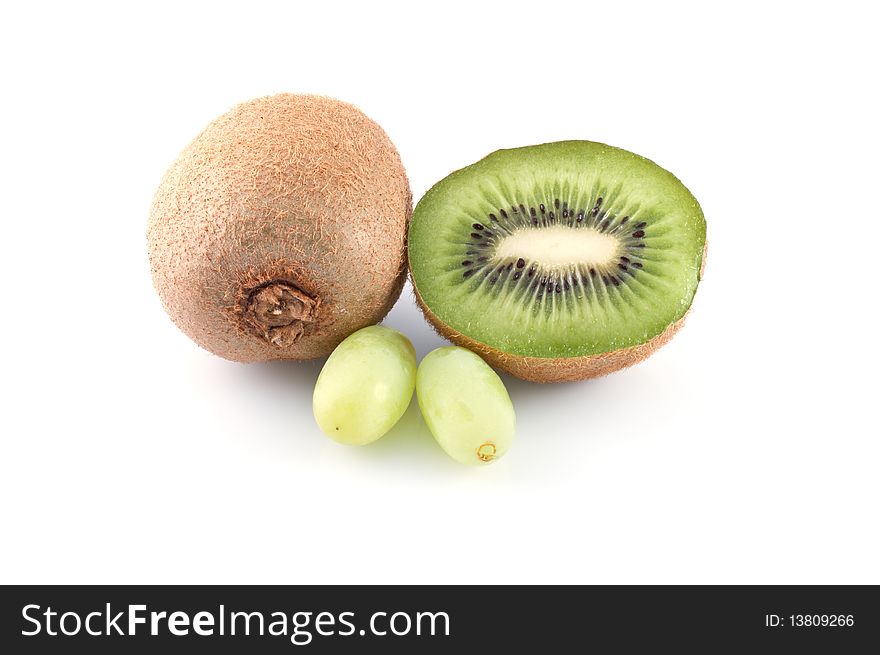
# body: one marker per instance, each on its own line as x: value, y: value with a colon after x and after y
x: 365, y: 386
x: 465, y: 405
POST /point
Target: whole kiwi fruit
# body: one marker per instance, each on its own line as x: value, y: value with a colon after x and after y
x: 560, y: 261
x: 281, y: 229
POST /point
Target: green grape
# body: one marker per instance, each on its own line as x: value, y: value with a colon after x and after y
x: 465, y: 405
x: 365, y: 386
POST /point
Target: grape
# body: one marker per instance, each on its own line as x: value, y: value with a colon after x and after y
x: 365, y: 386
x: 465, y: 405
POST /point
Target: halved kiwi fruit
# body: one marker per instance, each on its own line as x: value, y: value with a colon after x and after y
x: 559, y: 261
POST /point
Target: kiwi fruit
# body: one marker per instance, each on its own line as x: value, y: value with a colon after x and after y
x: 281, y: 229
x: 559, y: 261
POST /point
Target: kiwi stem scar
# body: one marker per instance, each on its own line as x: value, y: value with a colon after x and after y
x: 279, y: 312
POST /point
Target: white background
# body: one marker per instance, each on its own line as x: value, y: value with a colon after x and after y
x: 745, y: 451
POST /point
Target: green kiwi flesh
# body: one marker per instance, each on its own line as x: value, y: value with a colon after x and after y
x: 561, y: 251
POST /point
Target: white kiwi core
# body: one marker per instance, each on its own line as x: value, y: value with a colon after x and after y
x: 560, y: 246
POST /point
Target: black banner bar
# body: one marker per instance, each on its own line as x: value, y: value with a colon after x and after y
x: 438, y: 619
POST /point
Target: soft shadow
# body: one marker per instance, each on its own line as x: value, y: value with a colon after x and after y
x: 408, y: 442
x: 288, y: 375
x: 523, y: 392
x: 278, y: 397
x: 557, y: 413
x: 406, y: 317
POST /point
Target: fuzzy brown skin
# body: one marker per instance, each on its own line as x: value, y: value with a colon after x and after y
x: 281, y: 229
x: 561, y: 369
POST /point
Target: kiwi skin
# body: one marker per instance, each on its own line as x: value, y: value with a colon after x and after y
x: 560, y: 369
x: 281, y: 229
